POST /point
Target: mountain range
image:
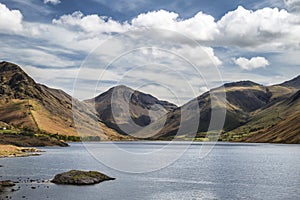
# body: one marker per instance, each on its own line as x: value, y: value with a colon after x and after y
x: 254, y: 112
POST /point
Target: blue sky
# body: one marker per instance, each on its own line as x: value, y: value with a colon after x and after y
x: 123, y: 10
x: 172, y: 49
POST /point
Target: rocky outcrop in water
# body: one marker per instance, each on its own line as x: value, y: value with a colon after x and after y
x: 76, y: 177
x: 7, y: 183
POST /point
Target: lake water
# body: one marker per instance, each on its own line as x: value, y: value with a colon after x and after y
x: 229, y: 171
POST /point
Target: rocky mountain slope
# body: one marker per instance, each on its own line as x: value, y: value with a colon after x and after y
x: 27, y: 104
x: 129, y: 111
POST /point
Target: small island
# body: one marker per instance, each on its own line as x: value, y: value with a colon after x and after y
x: 77, y: 177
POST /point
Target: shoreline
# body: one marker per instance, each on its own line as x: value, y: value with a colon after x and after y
x: 11, y: 151
x: 191, y: 141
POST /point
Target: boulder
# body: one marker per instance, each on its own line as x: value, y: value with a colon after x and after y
x: 76, y: 177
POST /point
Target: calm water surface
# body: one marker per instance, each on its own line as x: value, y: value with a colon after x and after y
x: 230, y: 171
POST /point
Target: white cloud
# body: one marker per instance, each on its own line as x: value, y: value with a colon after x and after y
x: 54, y: 2
x: 253, y: 63
x: 199, y: 27
x: 91, y: 23
x: 10, y: 20
x: 265, y: 28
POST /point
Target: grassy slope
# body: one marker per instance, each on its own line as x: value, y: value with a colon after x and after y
x: 33, y: 115
x: 278, y: 123
x: 50, y: 123
x: 16, y: 113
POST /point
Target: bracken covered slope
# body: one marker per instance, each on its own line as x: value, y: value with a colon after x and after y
x: 27, y: 104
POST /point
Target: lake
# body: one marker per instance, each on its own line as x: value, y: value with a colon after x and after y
x: 229, y: 171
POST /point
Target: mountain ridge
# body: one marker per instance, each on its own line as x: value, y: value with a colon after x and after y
x: 121, y: 112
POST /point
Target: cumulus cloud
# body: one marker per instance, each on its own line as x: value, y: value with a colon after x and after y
x: 54, y: 2
x: 91, y: 23
x: 253, y: 63
x: 268, y: 28
x: 199, y: 27
x: 10, y: 20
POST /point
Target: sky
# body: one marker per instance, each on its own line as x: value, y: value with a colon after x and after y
x: 175, y: 50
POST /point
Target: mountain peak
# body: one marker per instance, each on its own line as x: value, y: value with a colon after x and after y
x: 7, y: 67
x: 241, y: 84
x: 15, y: 82
x: 143, y: 108
x: 122, y: 87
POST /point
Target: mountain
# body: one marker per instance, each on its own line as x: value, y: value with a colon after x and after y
x: 254, y: 113
x: 242, y: 98
x: 26, y: 104
x: 245, y: 101
x: 277, y: 123
x: 129, y: 111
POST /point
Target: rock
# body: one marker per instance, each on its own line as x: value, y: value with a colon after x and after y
x: 7, y: 183
x: 76, y: 177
